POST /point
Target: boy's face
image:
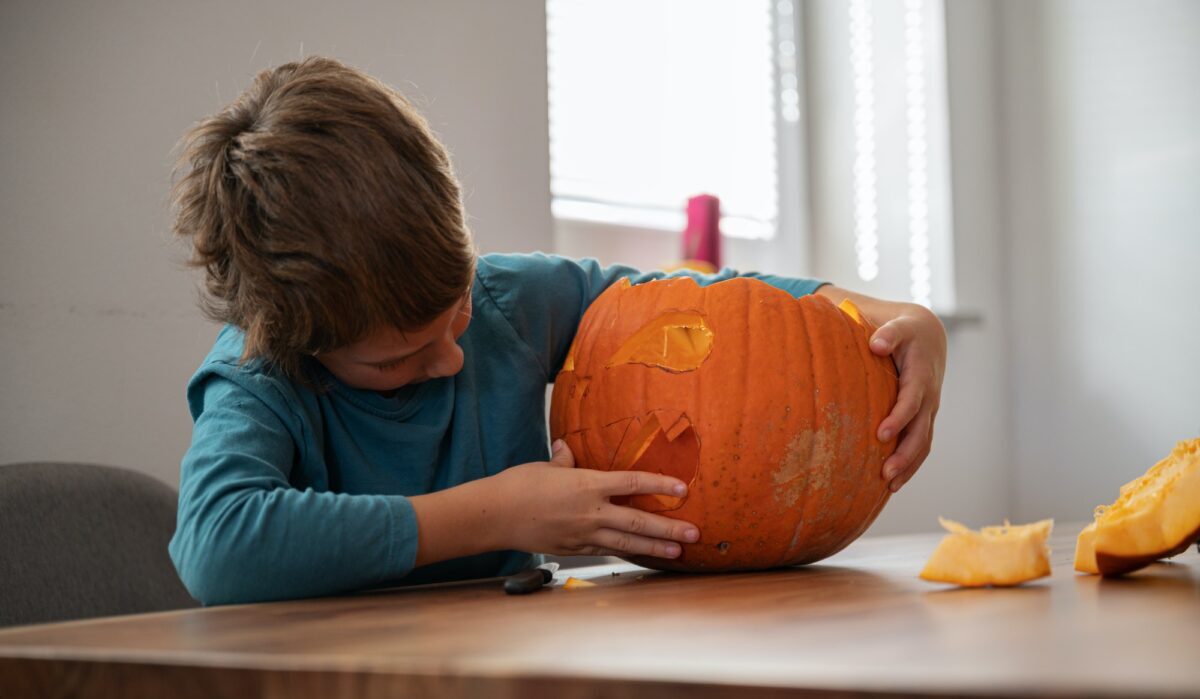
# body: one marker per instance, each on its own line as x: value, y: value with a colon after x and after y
x: 389, y: 359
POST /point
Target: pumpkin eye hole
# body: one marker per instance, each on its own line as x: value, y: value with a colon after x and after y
x: 677, y: 341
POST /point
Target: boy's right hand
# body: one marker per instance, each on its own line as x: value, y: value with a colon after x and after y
x: 552, y: 507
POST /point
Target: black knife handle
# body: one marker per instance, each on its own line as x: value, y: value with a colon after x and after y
x: 527, y: 581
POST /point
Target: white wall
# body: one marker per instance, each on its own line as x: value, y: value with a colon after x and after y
x: 1075, y: 133
x: 1101, y: 115
x: 98, y: 327
x: 968, y: 475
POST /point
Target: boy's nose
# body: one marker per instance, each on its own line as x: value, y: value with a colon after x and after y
x: 448, y: 363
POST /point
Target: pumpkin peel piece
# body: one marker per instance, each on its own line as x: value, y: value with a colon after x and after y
x: 674, y: 422
x: 1085, y: 551
x: 998, y: 556
x: 847, y: 306
x: 1156, y: 516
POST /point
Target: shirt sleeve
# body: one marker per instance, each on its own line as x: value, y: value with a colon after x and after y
x: 544, y: 297
x: 244, y: 534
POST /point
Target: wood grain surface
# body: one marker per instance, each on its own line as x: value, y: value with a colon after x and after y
x: 859, y: 624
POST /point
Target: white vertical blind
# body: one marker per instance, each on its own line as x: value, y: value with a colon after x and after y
x: 881, y: 157
x: 916, y: 118
x: 653, y: 101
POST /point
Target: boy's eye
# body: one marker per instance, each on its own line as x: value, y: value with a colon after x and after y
x: 390, y: 365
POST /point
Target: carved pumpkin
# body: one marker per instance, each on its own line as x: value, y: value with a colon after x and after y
x: 765, y: 405
x: 999, y: 556
x: 1156, y: 516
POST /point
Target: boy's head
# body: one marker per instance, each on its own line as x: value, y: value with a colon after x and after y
x: 324, y: 211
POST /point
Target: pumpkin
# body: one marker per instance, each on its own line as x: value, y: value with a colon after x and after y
x: 1155, y: 516
x: 765, y: 405
x: 1000, y: 556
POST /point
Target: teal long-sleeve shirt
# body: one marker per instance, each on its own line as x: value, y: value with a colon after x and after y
x: 291, y: 492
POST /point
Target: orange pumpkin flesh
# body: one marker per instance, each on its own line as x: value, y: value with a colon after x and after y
x: 765, y: 405
x: 997, y: 556
x: 1156, y: 516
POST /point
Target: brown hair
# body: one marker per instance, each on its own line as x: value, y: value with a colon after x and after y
x: 322, y: 208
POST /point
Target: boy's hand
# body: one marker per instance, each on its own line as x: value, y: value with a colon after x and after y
x: 552, y: 507
x: 915, y: 339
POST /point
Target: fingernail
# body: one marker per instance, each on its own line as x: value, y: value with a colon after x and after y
x: 885, y: 435
x: 879, y: 343
x: 894, y: 486
x: 557, y: 446
x: 672, y: 550
x: 679, y: 489
x: 691, y: 534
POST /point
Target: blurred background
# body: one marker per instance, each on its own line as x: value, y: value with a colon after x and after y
x: 1029, y: 170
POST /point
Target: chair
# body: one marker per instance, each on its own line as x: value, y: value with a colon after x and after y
x: 80, y: 540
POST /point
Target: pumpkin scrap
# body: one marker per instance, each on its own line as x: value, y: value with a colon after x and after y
x: 999, y: 556
x: 764, y: 404
x: 577, y: 584
x: 1155, y: 516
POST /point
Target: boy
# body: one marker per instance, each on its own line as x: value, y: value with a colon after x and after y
x: 373, y: 411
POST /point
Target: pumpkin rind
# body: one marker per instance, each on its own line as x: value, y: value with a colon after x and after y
x: 766, y: 405
x: 996, y: 556
x: 1156, y: 516
x: 1085, y: 551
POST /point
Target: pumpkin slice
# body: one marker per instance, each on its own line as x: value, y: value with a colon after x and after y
x: 1155, y: 516
x: 1085, y: 551
x: 1000, y: 556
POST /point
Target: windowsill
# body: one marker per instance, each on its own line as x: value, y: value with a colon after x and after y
x: 959, y: 319
x: 650, y: 246
x: 571, y: 213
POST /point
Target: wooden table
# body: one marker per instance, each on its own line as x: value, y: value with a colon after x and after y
x: 860, y: 624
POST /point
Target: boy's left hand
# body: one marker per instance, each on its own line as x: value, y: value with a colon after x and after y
x: 915, y: 339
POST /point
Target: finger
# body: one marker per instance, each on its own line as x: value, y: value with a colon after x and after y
x: 618, y: 543
x: 889, y: 336
x: 560, y: 455
x: 908, y: 403
x: 915, y: 441
x: 614, y: 483
x: 911, y: 469
x: 645, y: 524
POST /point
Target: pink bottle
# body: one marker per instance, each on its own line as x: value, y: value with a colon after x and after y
x: 702, y: 237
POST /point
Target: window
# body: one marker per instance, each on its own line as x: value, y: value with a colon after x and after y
x: 820, y: 124
x: 653, y: 101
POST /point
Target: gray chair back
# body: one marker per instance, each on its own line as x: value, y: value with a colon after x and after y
x: 80, y: 540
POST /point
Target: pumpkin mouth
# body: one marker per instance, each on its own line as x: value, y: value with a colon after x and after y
x: 662, y: 441
x: 677, y: 341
